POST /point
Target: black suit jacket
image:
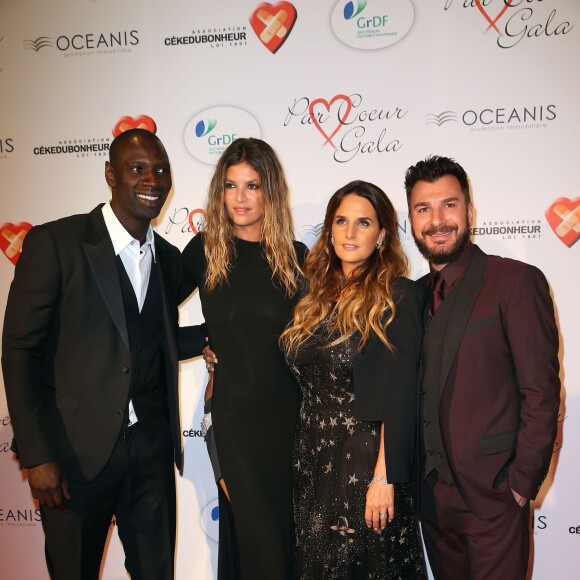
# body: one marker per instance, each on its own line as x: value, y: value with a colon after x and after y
x: 385, y: 382
x: 65, y: 349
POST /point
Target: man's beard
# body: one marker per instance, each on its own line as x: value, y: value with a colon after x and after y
x: 443, y: 255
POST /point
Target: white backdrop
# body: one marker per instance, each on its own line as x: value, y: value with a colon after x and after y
x: 342, y: 90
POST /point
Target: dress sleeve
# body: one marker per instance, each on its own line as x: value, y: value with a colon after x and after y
x: 400, y: 386
x: 192, y: 259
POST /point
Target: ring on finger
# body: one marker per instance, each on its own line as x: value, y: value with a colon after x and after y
x: 383, y: 516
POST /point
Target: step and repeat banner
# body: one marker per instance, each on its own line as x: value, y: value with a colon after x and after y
x: 343, y: 90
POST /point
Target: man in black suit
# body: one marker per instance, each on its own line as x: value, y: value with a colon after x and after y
x: 90, y: 359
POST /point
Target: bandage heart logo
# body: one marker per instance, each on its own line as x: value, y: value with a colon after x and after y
x: 564, y: 218
x: 273, y: 23
x: 492, y: 21
x: 140, y: 122
x: 343, y: 110
x: 196, y: 218
x: 11, y: 238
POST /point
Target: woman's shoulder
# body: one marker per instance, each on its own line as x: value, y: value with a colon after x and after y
x: 195, y: 245
x: 301, y: 251
x: 407, y: 287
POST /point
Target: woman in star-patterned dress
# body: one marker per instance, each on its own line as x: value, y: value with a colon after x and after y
x: 354, y: 347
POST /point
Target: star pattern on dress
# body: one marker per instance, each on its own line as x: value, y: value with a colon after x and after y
x: 326, y: 464
x: 349, y: 422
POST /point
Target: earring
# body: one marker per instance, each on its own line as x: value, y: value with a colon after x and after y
x: 332, y: 239
x: 379, y: 244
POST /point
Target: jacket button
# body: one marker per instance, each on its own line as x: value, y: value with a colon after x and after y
x: 124, y: 370
x: 119, y: 411
x: 440, y: 454
x: 429, y: 452
x: 425, y: 422
x: 422, y: 392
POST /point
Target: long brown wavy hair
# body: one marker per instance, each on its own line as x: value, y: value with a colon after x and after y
x: 364, y: 302
x: 277, y: 230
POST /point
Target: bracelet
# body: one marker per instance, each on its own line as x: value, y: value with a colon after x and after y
x: 376, y: 479
x: 384, y: 483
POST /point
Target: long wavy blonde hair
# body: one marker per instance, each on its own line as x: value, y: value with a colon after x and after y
x: 277, y: 230
x: 364, y: 302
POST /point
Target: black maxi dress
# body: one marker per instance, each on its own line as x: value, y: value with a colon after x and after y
x: 255, y: 406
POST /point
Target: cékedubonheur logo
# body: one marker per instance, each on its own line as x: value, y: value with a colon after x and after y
x: 210, y: 517
x: 209, y: 133
x: 372, y: 24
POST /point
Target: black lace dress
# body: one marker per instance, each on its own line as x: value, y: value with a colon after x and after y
x: 334, y: 460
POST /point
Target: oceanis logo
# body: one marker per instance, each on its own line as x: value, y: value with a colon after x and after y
x: 6, y: 147
x: 372, y: 24
x: 344, y: 125
x: 515, y: 21
x: 508, y: 118
x: 19, y: 517
x: 37, y: 44
x: 87, y: 44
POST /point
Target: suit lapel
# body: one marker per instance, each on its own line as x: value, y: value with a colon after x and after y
x: 101, y: 257
x: 460, y: 305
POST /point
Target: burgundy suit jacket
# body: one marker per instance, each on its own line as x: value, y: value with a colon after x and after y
x: 500, y: 358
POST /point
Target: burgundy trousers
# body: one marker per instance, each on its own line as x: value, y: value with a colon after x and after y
x: 462, y: 546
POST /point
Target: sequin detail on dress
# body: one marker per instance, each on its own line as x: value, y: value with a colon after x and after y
x: 334, y: 460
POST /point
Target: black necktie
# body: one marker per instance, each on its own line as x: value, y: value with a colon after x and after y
x: 438, y: 293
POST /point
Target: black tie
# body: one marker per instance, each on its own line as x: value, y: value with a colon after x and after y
x: 438, y: 293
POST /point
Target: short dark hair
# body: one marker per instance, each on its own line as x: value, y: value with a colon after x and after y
x: 435, y: 167
x: 125, y: 136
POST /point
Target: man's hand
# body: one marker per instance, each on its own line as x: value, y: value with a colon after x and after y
x: 521, y: 500
x: 49, y: 484
x: 209, y: 357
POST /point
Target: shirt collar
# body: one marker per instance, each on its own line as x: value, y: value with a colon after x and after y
x: 120, y: 237
x: 454, y: 270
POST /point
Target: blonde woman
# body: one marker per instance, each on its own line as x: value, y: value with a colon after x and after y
x: 354, y: 347
x: 247, y: 268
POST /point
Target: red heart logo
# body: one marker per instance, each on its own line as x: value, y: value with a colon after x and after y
x: 141, y: 122
x: 11, y: 238
x: 327, y: 105
x: 197, y: 224
x: 273, y: 23
x: 506, y: 5
x: 564, y: 218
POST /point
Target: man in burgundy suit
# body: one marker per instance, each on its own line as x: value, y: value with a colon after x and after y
x: 489, y: 386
